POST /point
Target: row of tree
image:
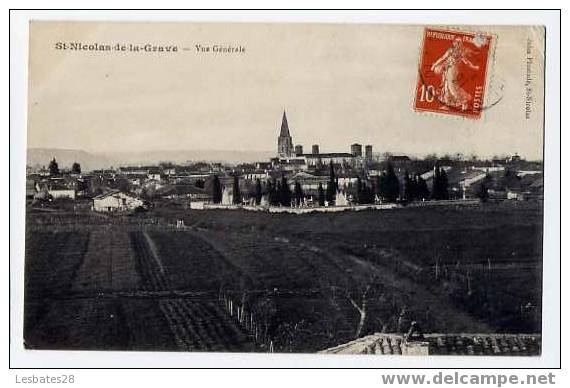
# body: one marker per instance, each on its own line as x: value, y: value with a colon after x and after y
x: 415, y: 188
x: 386, y: 186
x: 53, y: 168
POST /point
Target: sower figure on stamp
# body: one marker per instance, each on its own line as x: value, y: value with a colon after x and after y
x: 451, y: 92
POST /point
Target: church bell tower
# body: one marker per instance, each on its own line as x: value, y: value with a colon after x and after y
x: 284, y: 141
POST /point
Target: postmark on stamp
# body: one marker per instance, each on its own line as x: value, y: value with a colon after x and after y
x: 452, y: 72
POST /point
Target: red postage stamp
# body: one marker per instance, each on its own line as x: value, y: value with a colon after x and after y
x: 452, y: 72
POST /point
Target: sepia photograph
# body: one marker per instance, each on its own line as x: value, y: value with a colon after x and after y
x: 324, y: 188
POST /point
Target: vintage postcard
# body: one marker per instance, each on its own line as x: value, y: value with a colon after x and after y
x: 272, y: 187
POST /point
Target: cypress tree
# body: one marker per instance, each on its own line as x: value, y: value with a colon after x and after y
x: 270, y: 193
x: 378, y: 185
x: 298, y: 194
x: 258, y: 192
x: 278, y: 193
x: 440, y: 184
x: 389, y: 184
x: 409, y: 189
x: 285, y: 192
x: 236, y: 191
x: 436, y: 185
x: 366, y: 194
x: 321, y: 195
x: 444, y: 185
x: 359, y: 198
x: 331, y: 186
x: 421, y: 188
x: 216, y: 190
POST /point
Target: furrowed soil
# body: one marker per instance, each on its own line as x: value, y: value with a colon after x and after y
x: 234, y: 280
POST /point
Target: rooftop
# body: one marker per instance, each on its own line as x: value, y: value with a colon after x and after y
x: 111, y: 193
x: 329, y: 155
x: 446, y: 344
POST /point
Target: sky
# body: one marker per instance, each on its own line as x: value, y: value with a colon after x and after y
x: 339, y: 84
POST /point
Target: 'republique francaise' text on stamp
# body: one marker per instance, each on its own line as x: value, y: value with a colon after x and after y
x: 452, y: 72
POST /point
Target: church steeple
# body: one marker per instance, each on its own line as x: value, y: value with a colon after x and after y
x: 284, y: 141
x: 284, y: 126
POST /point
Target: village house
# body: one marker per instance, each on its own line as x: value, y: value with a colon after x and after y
x: 154, y: 175
x: 60, y: 192
x: 466, y: 179
x: 346, y: 179
x: 340, y: 158
x: 428, y: 175
x: 116, y: 201
x: 55, y: 189
x: 134, y: 170
x: 184, y: 191
x: 257, y: 174
x: 309, y: 182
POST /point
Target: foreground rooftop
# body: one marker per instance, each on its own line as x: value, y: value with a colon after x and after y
x: 444, y: 344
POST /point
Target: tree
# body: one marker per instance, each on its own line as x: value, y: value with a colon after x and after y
x: 431, y: 157
x: 53, y: 167
x: 436, y: 185
x: 389, y: 184
x: 331, y: 185
x: 444, y: 184
x: 321, y: 195
x: 509, y: 180
x: 272, y: 193
x: 216, y: 190
x: 76, y: 168
x: 358, y: 190
x: 377, y: 186
x: 483, y: 189
x: 298, y: 194
x: 166, y: 165
x: 278, y: 193
x: 366, y: 295
x: 440, y: 184
x: 422, y: 191
x: 258, y: 192
x: 410, y: 192
x: 366, y: 194
x: 236, y: 196
x: 284, y: 192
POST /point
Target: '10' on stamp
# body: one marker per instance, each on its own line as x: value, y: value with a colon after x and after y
x: 452, y: 72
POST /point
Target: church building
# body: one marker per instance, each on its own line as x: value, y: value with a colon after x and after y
x: 293, y: 159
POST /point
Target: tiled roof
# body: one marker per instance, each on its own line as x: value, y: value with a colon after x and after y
x: 107, y: 194
x: 180, y: 189
x: 447, y: 344
x: 330, y: 155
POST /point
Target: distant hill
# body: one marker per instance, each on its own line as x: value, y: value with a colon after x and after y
x: 97, y: 160
x: 182, y: 157
x: 65, y: 158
